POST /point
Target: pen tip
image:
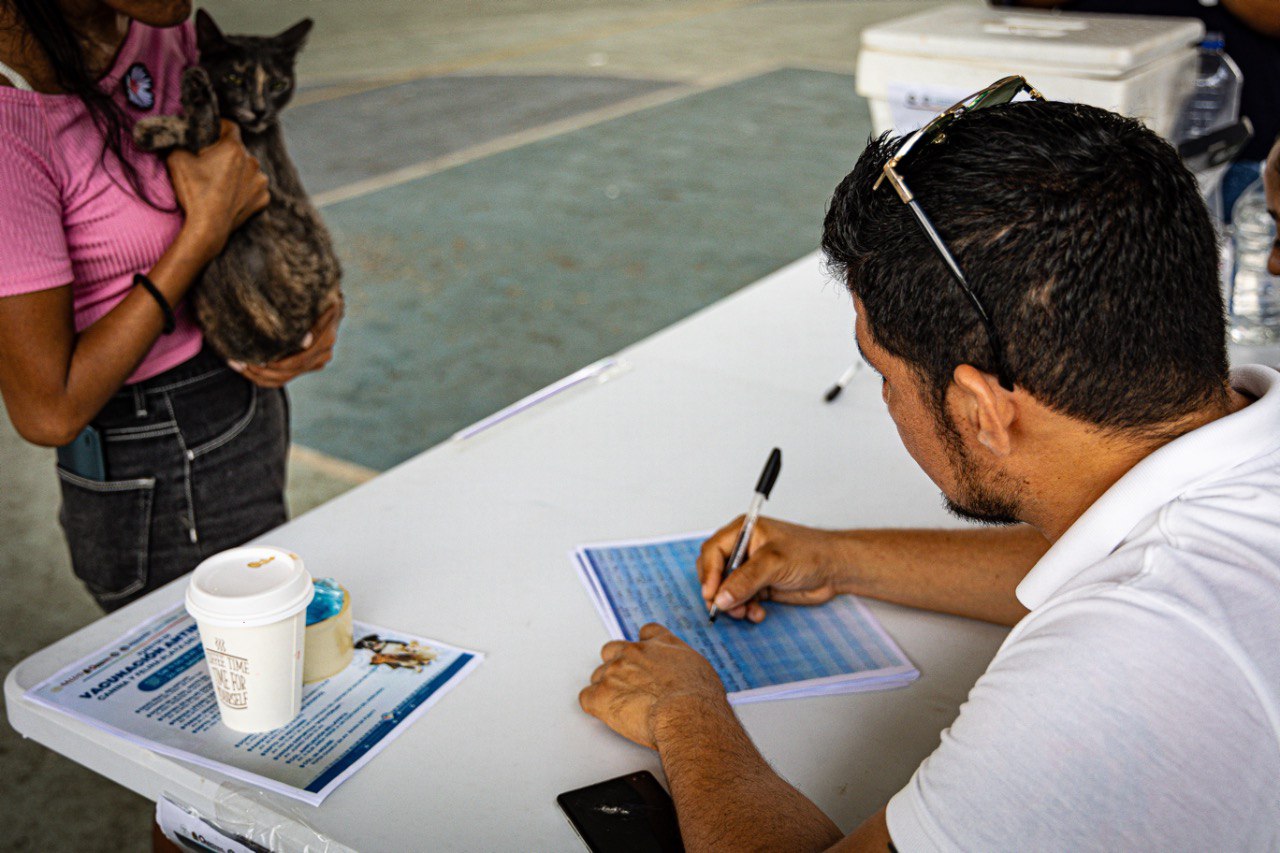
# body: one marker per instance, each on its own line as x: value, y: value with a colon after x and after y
x: 832, y: 393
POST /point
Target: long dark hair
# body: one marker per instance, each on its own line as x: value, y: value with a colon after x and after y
x: 45, y: 24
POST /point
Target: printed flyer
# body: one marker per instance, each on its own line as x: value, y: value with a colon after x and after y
x: 152, y: 688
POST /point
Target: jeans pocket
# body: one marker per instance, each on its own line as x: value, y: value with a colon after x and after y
x: 227, y: 434
x: 108, y: 527
x: 237, y: 487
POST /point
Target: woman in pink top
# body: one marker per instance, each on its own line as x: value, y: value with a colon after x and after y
x: 166, y: 453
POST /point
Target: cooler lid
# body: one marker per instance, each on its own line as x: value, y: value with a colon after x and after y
x: 1103, y: 44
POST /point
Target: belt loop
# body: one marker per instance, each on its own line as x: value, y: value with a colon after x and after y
x: 139, y: 401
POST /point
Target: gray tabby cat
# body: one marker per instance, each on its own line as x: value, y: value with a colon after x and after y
x: 259, y: 298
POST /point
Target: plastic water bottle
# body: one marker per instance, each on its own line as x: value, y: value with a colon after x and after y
x: 1215, y: 103
x: 1255, y: 293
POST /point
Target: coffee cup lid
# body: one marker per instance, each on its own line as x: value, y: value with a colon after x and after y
x: 248, y: 587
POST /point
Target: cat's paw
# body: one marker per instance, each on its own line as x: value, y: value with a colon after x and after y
x: 197, y: 90
x: 159, y: 133
x: 200, y: 104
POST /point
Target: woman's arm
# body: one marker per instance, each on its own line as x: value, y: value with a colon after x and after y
x: 54, y: 381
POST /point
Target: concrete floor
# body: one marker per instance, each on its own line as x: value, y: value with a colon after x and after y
x: 403, y: 99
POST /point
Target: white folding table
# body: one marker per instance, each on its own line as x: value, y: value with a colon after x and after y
x: 469, y: 543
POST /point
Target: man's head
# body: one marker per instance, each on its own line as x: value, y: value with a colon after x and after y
x: 1091, y: 249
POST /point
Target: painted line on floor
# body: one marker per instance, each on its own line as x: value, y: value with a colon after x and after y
x: 435, y: 69
x: 842, y: 68
x: 332, y: 466
x: 501, y: 144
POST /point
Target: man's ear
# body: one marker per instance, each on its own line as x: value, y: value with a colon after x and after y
x: 985, y: 407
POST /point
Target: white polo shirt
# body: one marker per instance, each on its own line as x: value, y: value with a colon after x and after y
x: 1137, y: 707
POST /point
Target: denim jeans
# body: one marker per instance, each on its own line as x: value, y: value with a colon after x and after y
x: 195, y: 464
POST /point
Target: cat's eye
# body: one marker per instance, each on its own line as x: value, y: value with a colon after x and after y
x: 234, y: 79
x: 279, y: 85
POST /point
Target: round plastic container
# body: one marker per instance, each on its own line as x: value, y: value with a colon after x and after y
x: 250, y: 607
x: 329, y: 635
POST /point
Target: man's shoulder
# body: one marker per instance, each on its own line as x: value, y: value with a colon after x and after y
x: 1214, y: 546
x: 1178, y: 624
x: 1096, y: 703
x: 1175, y: 635
x: 1096, y: 700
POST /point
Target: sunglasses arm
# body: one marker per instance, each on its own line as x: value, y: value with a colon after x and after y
x: 932, y: 234
x: 1002, y: 369
x: 895, y: 180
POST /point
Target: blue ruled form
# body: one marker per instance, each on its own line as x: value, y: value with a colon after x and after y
x: 838, y: 647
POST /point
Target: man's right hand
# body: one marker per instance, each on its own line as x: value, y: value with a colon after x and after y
x: 218, y: 189
x: 785, y: 562
x: 973, y: 573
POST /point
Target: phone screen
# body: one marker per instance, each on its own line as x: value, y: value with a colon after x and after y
x: 630, y: 814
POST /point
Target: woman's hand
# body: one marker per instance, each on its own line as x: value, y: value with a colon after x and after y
x: 218, y: 189
x: 317, y: 351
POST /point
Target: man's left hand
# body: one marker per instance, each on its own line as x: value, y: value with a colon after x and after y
x: 316, y: 352
x: 637, y: 680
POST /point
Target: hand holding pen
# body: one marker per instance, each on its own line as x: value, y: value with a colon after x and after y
x: 763, y: 487
x: 789, y: 564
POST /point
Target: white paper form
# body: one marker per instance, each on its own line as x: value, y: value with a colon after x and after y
x: 838, y: 647
x: 152, y: 687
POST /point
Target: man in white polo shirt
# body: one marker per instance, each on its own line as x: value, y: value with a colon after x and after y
x: 1049, y: 329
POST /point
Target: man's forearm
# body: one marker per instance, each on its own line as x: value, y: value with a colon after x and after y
x: 727, y: 796
x: 969, y: 573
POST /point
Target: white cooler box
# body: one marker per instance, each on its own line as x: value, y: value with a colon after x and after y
x: 1144, y: 67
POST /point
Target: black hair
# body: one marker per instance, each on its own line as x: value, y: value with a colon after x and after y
x: 1084, y: 236
x: 46, y: 25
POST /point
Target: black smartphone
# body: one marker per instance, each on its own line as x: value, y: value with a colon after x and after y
x: 630, y: 814
x: 83, y: 456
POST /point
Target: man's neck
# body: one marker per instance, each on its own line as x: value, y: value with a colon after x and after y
x: 1078, y: 464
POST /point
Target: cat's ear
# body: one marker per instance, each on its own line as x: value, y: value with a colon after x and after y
x: 208, y: 37
x: 293, y: 38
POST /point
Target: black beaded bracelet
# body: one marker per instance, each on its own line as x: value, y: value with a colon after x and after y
x: 150, y: 286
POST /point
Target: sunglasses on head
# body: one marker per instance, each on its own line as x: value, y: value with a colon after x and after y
x: 1000, y: 92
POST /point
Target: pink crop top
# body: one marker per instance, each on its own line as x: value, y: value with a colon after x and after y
x: 65, y: 218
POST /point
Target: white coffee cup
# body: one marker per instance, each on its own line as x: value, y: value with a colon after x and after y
x: 250, y: 606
